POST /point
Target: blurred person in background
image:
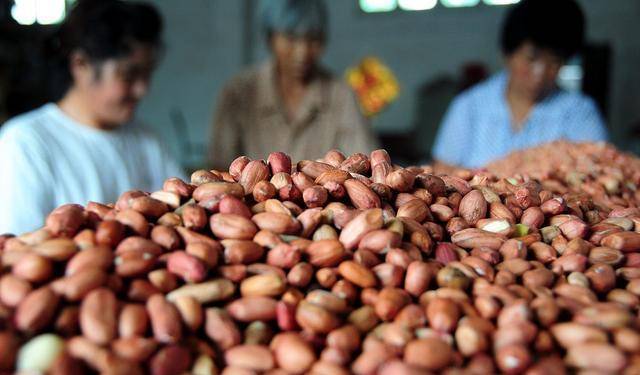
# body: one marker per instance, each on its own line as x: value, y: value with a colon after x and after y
x: 84, y: 146
x: 522, y: 106
x: 289, y: 103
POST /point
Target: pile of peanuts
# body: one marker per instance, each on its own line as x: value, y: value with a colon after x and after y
x: 608, y: 176
x: 334, y: 266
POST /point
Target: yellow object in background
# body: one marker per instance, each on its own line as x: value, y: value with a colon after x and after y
x: 374, y: 83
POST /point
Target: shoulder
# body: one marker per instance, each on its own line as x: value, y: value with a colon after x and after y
x: 328, y: 79
x: 29, y: 121
x: 573, y: 101
x: 338, y: 90
x: 244, y: 81
x: 482, y: 99
x: 489, y: 89
x: 27, y: 128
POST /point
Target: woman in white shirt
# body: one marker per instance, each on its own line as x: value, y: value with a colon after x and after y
x: 85, y: 146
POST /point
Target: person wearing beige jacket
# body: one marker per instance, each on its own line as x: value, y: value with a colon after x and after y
x: 289, y: 103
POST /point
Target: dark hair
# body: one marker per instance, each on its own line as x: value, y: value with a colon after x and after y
x: 102, y: 30
x: 297, y: 17
x: 554, y: 24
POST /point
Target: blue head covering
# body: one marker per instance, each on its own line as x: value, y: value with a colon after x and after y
x: 297, y: 17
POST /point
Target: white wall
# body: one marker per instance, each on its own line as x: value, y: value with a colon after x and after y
x: 205, y: 46
x: 617, y: 22
x: 203, y: 49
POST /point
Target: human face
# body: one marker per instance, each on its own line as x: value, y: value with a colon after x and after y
x: 296, y: 56
x: 113, y: 88
x: 533, y: 70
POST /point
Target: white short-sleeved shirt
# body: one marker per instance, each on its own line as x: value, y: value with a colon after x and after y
x: 47, y: 159
x: 477, y: 127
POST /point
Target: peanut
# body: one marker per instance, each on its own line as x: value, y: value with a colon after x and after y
x: 345, y: 264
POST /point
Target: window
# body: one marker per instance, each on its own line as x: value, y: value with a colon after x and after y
x: 571, y: 75
x: 374, y: 6
x: 378, y: 6
x: 417, y: 4
x: 500, y: 2
x: 459, y: 3
x: 44, y: 12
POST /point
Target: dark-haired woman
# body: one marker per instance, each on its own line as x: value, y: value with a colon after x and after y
x: 522, y: 106
x: 85, y: 146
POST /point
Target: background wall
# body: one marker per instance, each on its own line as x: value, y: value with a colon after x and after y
x: 208, y: 41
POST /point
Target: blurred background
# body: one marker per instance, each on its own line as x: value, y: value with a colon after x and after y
x: 433, y: 48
